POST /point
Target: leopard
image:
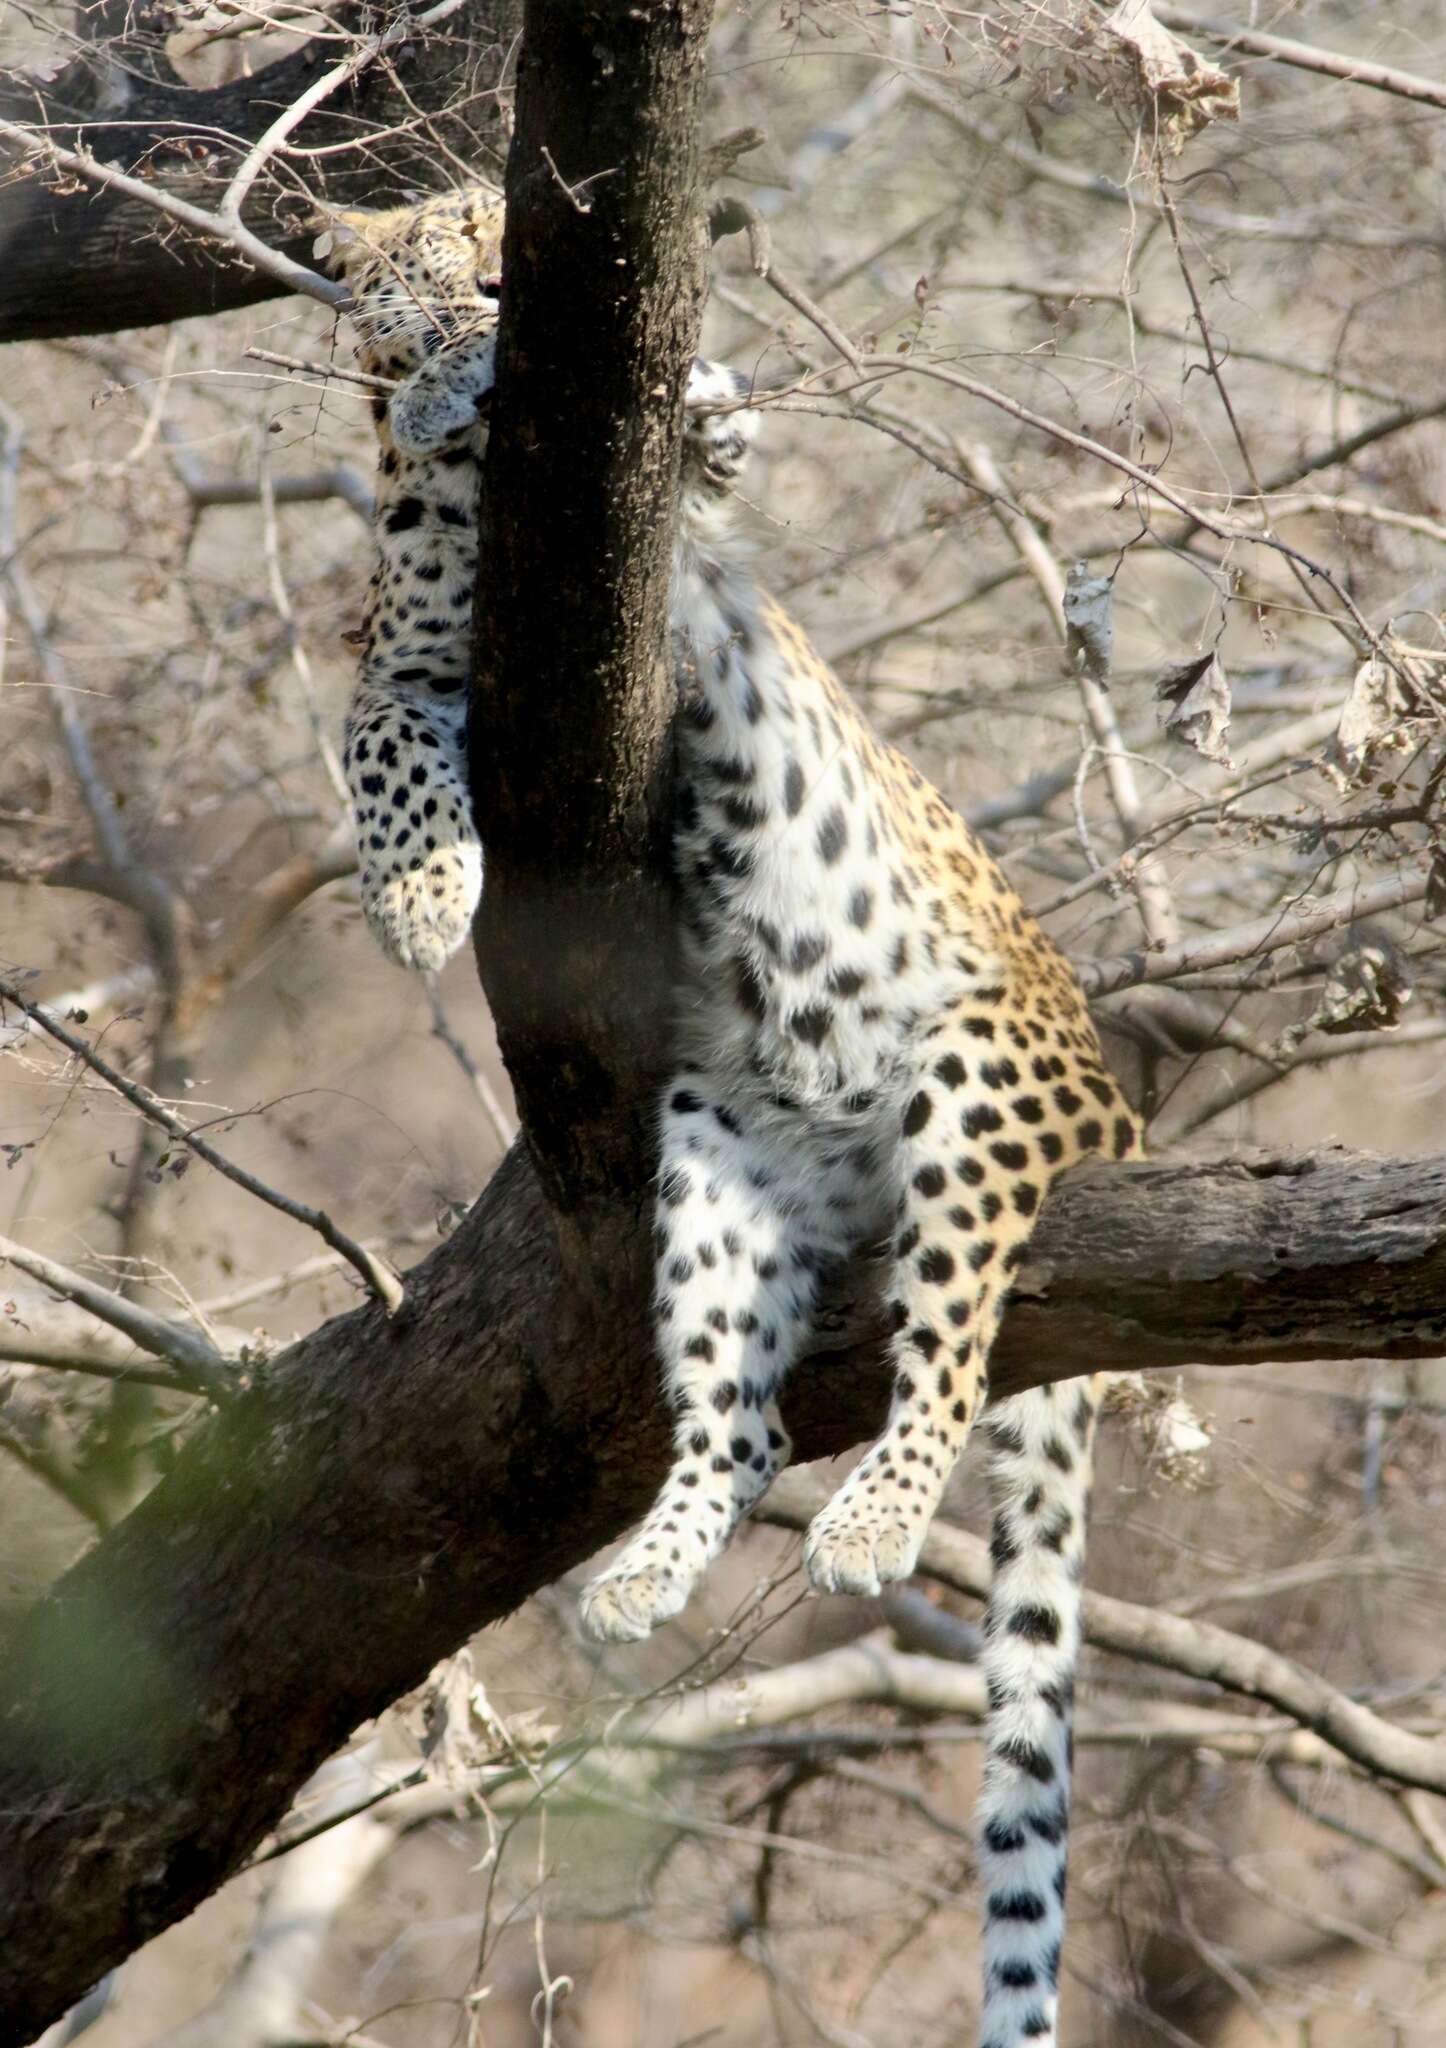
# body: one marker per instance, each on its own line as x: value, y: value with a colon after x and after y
x: 878, y: 1053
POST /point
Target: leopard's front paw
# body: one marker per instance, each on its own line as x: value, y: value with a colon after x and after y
x: 444, y: 397
x: 422, y: 422
x: 423, y: 915
x: 623, y: 1606
x: 859, y: 1544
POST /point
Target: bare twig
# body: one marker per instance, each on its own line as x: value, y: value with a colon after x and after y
x: 95, y: 1365
x: 1363, y: 508
x: 1428, y: 1869
x: 331, y: 372
x: 1261, y: 935
x: 1317, y: 1050
x: 202, y: 1367
x: 129, y: 880
x: 293, y: 276
x: 1428, y: 92
x: 504, y: 1125
x: 1157, y: 913
x: 821, y: 145
x: 1309, y: 225
x: 1423, y: 1818
x: 108, y: 992
x: 296, y: 646
x: 304, y: 1270
x: 44, y: 1333
x: 794, y: 295
x: 55, y: 1472
x: 1341, y: 450
x: 1148, y: 480
x: 378, y: 1275
x: 266, y: 145
x: 572, y: 193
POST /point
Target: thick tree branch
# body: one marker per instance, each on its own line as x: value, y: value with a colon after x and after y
x: 359, y: 1513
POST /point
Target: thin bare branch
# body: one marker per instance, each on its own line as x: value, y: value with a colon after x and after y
x: 202, y: 1367
x: 266, y: 145
x: 53, y: 1472
x: 252, y: 1291
x: 1147, y: 479
x: 1319, y: 1049
x: 290, y: 275
x: 1284, y: 927
x: 1196, y: 1649
x: 1427, y: 92
x: 504, y: 1125
x: 378, y: 1275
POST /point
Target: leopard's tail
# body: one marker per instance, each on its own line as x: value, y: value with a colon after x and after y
x: 1039, y: 1446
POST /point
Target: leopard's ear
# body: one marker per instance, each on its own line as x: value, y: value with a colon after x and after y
x: 483, y: 220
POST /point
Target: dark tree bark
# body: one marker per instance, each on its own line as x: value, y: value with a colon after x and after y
x: 78, y: 260
x: 387, y: 1488
x: 573, y: 698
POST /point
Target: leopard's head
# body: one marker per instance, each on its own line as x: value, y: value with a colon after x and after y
x: 420, y: 276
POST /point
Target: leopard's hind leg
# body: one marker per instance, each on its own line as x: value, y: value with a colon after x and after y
x: 737, y: 1274
x: 972, y: 1178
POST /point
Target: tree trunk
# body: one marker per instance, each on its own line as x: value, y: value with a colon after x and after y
x: 603, y: 269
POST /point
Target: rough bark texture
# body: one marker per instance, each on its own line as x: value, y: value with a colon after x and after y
x: 603, y: 271
x: 389, y: 1487
x: 82, y: 261
x: 1323, y: 1254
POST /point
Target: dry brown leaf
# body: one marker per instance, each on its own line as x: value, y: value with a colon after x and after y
x: 1369, y: 984
x: 1184, y: 91
x: 1373, y: 720
x: 1198, y: 693
x: 1089, y: 627
x: 461, y: 1735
